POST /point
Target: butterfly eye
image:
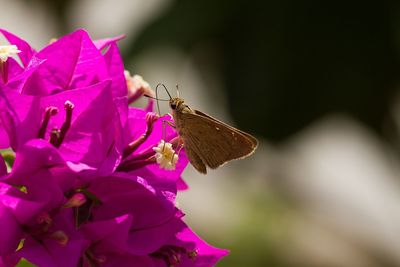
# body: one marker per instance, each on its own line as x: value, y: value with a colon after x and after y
x: 173, y: 105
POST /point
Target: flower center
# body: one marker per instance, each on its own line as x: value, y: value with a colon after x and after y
x: 42, y: 230
x: 7, y: 51
x: 49, y: 112
x: 166, y: 156
x: 148, y: 157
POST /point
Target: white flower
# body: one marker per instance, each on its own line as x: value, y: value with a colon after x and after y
x: 8, y: 51
x: 165, y: 155
x: 137, y: 83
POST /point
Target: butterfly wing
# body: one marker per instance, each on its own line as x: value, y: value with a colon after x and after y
x: 253, y: 140
x: 213, y: 141
x: 194, y: 158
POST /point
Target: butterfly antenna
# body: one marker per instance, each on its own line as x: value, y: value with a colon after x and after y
x: 177, y: 90
x: 158, y: 105
x: 166, y: 90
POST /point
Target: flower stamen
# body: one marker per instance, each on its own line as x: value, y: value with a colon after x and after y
x: 137, y: 87
x: 166, y: 156
x: 69, y: 107
x: 60, y: 237
x: 77, y: 200
x: 44, y: 222
x: 44, y: 218
x: 57, y: 135
x: 7, y: 51
x: 172, y: 255
x: 49, y: 112
x: 54, y: 136
x: 151, y: 118
x: 95, y: 260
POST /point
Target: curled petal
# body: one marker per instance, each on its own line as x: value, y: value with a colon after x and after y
x: 10, y: 231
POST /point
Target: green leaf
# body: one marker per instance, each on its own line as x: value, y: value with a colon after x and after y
x: 9, y: 157
x: 25, y: 263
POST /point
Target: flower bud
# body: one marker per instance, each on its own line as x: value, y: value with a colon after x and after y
x: 75, y: 201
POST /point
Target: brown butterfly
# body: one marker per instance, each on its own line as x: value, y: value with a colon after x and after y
x: 208, y: 141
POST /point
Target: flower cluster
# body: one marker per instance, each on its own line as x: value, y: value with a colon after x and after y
x: 90, y: 182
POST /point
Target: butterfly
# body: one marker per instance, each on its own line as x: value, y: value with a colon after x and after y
x: 207, y: 141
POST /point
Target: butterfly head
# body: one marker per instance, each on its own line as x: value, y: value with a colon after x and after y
x: 176, y: 103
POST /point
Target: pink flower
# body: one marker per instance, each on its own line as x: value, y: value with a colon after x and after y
x: 85, y: 188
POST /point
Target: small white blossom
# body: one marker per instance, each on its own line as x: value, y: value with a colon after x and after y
x: 137, y: 83
x: 165, y: 155
x: 7, y: 51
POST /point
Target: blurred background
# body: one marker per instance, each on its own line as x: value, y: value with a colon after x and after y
x: 317, y: 82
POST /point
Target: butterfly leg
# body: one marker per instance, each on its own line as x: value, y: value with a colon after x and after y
x: 180, y: 148
x: 177, y: 153
x: 164, y: 122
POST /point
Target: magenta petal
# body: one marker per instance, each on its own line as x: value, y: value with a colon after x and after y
x: 23, y: 210
x: 26, y: 50
x: 6, y: 120
x: 119, y: 88
x: 126, y: 196
x: 18, y: 81
x: 94, y: 135
x: 22, y: 115
x: 45, y: 175
x: 17, y: 76
x: 102, y: 43
x: 109, y: 236
x: 19, y: 112
x: 207, y: 256
x: 117, y: 260
x: 71, y: 62
x: 146, y: 241
x: 49, y: 253
x: 182, y: 185
x: 14, y: 68
x: 121, y: 104
x: 34, y: 252
x: 3, y: 167
x: 10, y: 231
x: 84, y: 99
x: 35, y: 155
x: 116, y: 69
x: 4, y: 140
x: 90, y: 66
x: 9, y: 260
x: 42, y: 188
